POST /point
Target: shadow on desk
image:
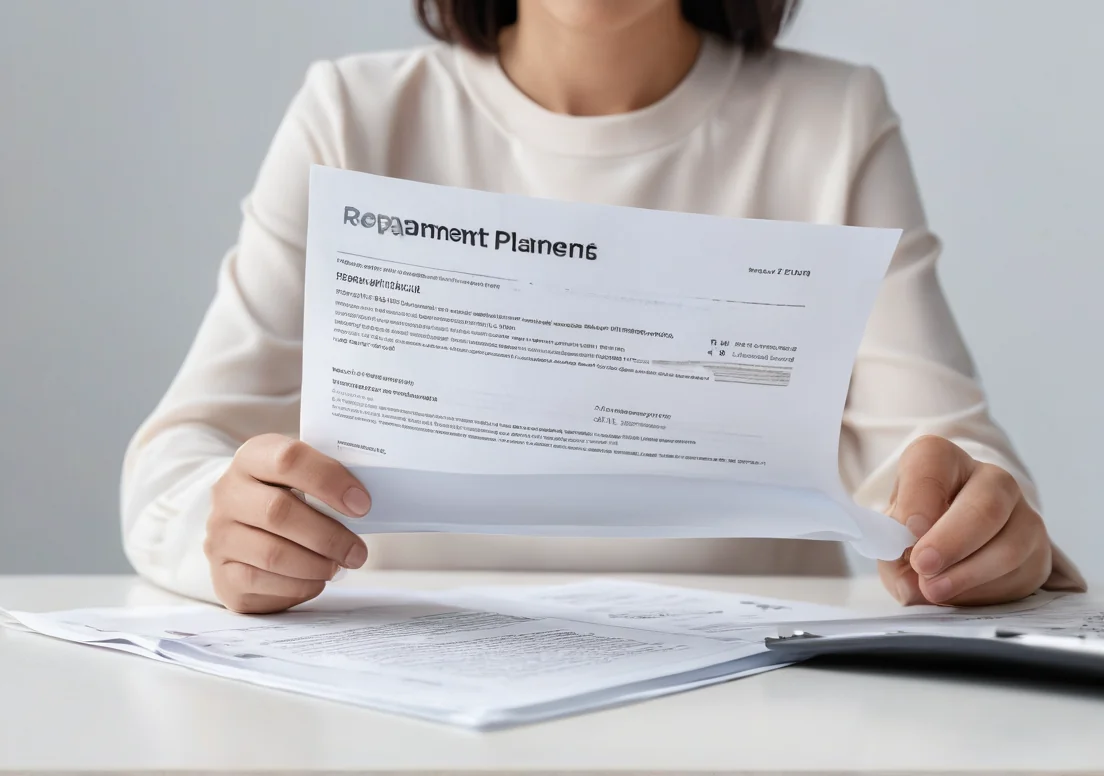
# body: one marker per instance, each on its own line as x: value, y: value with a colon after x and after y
x: 1049, y: 680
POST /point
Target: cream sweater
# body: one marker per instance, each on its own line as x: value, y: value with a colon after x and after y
x: 779, y: 136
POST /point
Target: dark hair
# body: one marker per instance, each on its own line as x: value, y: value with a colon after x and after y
x: 753, y: 24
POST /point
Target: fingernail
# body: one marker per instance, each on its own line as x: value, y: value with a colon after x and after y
x: 357, y: 502
x: 340, y: 575
x: 939, y: 590
x: 356, y: 557
x: 917, y: 525
x: 926, y: 562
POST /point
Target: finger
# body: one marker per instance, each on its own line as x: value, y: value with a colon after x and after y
x: 1017, y: 557
x: 255, y: 590
x: 1013, y: 586
x: 293, y: 464
x: 929, y: 475
x: 254, y: 603
x: 979, y: 512
x: 278, y: 512
x: 255, y: 547
x: 901, y: 581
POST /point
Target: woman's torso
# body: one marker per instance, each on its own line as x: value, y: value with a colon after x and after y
x: 777, y: 136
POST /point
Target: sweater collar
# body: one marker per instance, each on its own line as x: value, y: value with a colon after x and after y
x: 659, y: 124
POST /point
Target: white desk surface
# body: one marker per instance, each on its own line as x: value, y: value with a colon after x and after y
x: 67, y: 708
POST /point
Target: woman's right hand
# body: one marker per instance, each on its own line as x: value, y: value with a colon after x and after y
x: 269, y: 550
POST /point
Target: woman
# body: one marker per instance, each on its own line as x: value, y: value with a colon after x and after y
x: 649, y: 103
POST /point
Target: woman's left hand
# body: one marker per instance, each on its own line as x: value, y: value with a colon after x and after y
x: 979, y: 541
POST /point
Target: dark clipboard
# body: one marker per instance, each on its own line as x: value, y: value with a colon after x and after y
x: 1067, y: 657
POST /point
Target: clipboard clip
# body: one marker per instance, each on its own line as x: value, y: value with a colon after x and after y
x: 788, y: 635
x: 1005, y: 633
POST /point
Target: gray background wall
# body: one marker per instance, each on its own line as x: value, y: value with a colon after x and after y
x: 129, y: 131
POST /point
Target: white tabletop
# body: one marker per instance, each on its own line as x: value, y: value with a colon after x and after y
x: 66, y: 708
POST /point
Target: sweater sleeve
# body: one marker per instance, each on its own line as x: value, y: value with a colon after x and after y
x: 913, y: 375
x: 242, y: 374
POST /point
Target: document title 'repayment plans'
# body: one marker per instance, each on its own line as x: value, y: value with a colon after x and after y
x: 484, y: 368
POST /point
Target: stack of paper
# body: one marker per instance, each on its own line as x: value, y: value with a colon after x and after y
x: 469, y: 658
x: 481, y: 657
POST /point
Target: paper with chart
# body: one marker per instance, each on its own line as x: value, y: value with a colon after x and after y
x: 749, y: 618
x: 664, y: 608
x: 499, y: 364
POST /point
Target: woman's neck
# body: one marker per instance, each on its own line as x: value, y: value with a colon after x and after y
x: 584, y: 73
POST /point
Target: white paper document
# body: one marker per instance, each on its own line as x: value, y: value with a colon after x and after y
x: 489, y: 363
x: 492, y: 657
x: 1043, y: 613
x: 452, y: 657
x: 663, y: 608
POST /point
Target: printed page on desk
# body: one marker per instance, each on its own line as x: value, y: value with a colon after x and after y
x: 1044, y: 613
x: 453, y: 658
x: 499, y: 656
x: 489, y: 363
x: 665, y: 608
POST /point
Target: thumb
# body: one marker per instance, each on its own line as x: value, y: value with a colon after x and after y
x: 901, y: 580
x: 898, y: 576
x: 929, y: 475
